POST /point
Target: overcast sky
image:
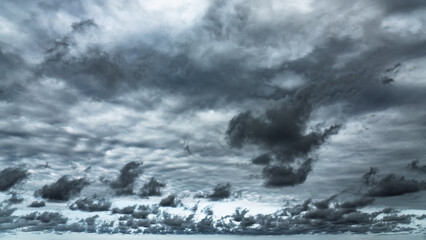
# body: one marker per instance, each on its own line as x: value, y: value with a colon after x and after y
x: 283, y: 100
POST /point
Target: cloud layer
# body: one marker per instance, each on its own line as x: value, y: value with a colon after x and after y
x: 279, y: 99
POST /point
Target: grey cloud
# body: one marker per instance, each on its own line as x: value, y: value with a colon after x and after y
x: 169, y: 201
x: 37, y: 204
x: 123, y: 184
x: 324, y: 204
x: 262, y: 159
x: 11, y: 176
x: 282, y: 175
x: 414, y: 165
x: 63, y: 189
x: 391, y: 184
x: 83, y: 25
x: 228, y: 60
x: 394, y: 185
x: 357, y: 203
x: 137, y: 212
x: 368, y: 177
x: 91, y: 204
x: 124, y: 210
x: 221, y: 191
x: 399, y: 7
x: 281, y: 131
x: 14, y: 198
x: 305, y: 219
x: 152, y: 188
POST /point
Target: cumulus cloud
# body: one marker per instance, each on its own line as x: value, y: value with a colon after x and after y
x: 11, y: 176
x: 63, y: 189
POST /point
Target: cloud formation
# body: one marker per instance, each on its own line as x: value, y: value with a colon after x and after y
x: 11, y: 176
x: 91, y: 204
x: 301, y: 89
x: 152, y: 188
x: 394, y: 185
x: 221, y: 191
x: 63, y: 189
x: 123, y: 184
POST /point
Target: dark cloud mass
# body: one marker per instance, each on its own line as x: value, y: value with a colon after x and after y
x: 414, y: 165
x: 281, y: 131
x: 123, y: 184
x: 283, y: 100
x: 11, y: 176
x: 221, y: 191
x: 279, y: 175
x: 152, y: 188
x: 394, y: 185
x: 63, y: 189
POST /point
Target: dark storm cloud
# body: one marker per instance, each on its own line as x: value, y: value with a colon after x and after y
x: 63, y: 189
x: 11, y: 176
x: 123, y: 184
x: 91, y: 204
x: 281, y: 131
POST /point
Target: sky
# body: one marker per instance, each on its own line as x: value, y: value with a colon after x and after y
x: 293, y: 110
